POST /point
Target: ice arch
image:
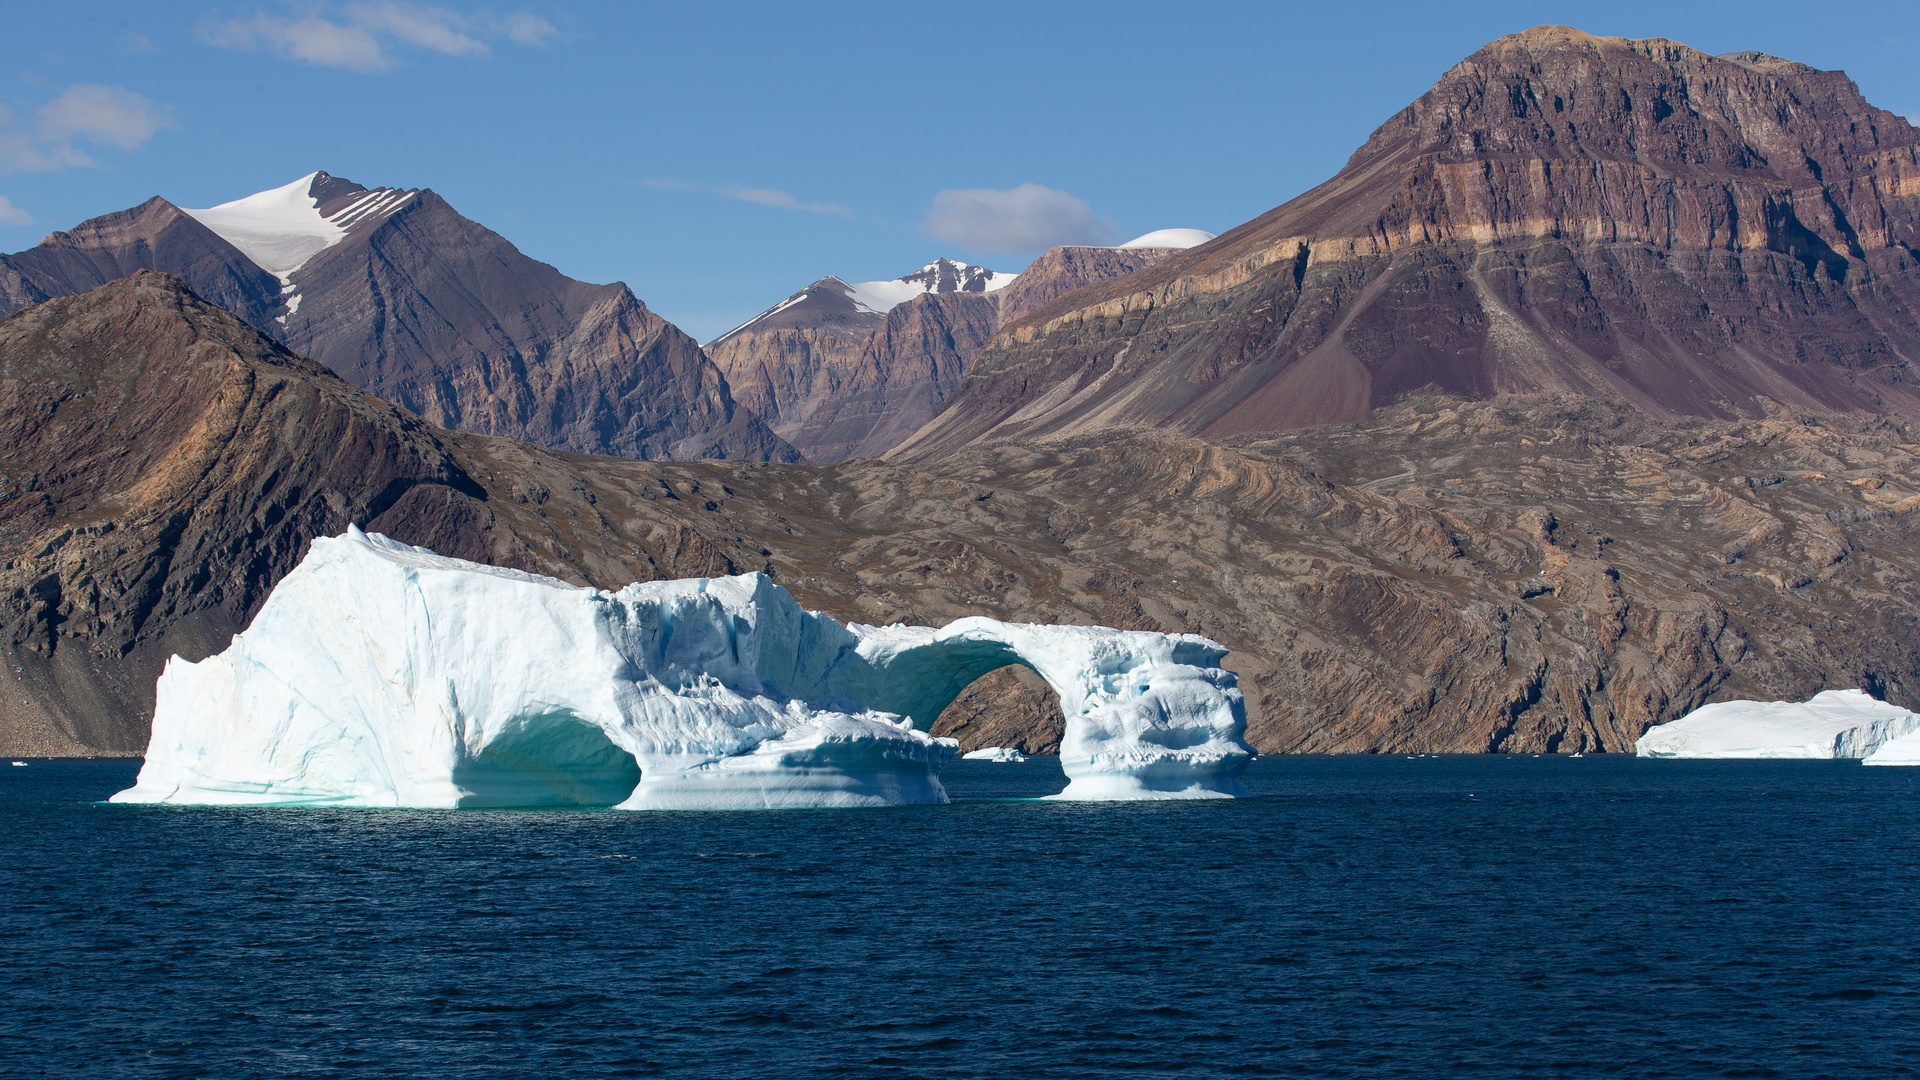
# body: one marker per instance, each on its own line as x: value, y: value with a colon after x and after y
x: 378, y: 674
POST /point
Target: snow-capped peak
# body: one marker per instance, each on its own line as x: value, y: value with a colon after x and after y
x: 281, y: 228
x: 1170, y: 238
x: 880, y: 297
x: 940, y: 275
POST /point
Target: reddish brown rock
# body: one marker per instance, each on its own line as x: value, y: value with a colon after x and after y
x: 1634, y: 221
x: 440, y: 315
x: 839, y: 381
x: 1516, y: 575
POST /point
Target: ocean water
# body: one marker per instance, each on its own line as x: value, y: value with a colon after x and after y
x: 1365, y: 917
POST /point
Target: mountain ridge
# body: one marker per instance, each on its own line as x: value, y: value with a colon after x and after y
x: 1452, y: 576
x: 399, y: 292
x: 1627, y: 219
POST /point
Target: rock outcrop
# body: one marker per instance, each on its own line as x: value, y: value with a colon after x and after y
x: 430, y: 310
x: 1523, y: 574
x: 840, y: 373
x: 1629, y: 220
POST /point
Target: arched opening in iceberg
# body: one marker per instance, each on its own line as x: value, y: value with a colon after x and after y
x: 378, y: 674
x: 547, y: 759
x: 1009, y: 707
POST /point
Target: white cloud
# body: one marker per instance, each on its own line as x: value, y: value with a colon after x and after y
x: 362, y: 36
x: 101, y: 115
x: 87, y: 112
x: 1026, y: 218
x: 523, y: 28
x: 13, y: 215
x: 762, y: 196
x: 315, y: 41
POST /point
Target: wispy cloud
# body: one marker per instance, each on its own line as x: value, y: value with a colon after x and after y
x: 365, y: 36
x: 85, y: 113
x: 762, y: 196
x: 13, y: 215
x: 1025, y: 218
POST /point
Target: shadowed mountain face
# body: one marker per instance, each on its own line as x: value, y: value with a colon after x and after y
x: 403, y: 296
x: 1451, y: 576
x: 155, y: 234
x: 840, y: 378
x: 1634, y: 221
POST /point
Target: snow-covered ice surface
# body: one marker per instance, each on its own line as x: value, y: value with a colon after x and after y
x: 995, y: 753
x: 378, y: 674
x: 1170, y: 238
x: 1848, y: 724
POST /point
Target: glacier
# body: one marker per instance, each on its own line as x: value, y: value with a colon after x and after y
x: 377, y: 674
x: 1833, y: 724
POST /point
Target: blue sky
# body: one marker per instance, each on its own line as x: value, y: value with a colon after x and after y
x: 718, y: 156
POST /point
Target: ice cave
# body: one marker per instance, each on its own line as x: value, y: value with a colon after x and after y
x: 383, y: 675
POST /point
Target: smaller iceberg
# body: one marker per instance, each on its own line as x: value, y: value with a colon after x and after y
x: 1833, y: 724
x: 379, y: 674
x: 995, y: 753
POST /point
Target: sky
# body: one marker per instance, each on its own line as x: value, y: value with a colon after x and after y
x: 719, y: 156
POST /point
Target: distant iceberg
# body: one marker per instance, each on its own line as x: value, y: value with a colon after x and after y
x: 995, y: 753
x: 1844, y: 724
x: 379, y: 674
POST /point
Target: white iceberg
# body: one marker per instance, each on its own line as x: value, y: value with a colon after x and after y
x: 995, y: 753
x: 1833, y: 724
x: 379, y: 674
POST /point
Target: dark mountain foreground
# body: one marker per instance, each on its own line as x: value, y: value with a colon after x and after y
x: 426, y: 308
x: 1628, y: 220
x: 1514, y: 575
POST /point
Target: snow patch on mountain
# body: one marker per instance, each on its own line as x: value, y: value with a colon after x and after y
x: 281, y: 229
x: 940, y: 275
x: 1170, y: 238
x: 880, y: 297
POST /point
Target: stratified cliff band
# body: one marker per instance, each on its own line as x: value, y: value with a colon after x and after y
x: 1634, y: 221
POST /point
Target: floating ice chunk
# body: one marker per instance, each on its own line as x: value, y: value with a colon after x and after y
x: 1848, y: 724
x: 378, y: 674
x: 995, y: 753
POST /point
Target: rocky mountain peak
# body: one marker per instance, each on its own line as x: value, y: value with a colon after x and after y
x: 1631, y: 220
x: 282, y: 228
x: 946, y: 275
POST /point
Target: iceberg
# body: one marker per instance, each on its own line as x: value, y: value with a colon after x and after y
x: 379, y: 674
x: 1833, y: 724
x: 995, y: 753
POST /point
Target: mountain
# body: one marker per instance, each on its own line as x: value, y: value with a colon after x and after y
x: 847, y: 370
x: 400, y: 294
x: 1449, y: 576
x: 1628, y: 220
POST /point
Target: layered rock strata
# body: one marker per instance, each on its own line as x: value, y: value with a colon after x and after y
x: 428, y: 309
x: 1515, y: 575
x: 841, y: 381
x: 1630, y: 220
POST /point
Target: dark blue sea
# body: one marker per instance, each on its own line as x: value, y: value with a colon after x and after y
x: 1364, y: 917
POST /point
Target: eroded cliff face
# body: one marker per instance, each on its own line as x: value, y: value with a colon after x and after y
x: 1634, y: 221
x: 839, y: 384
x: 1512, y: 575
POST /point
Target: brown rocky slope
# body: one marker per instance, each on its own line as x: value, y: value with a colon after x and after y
x: 1451, y: 576
x: 1631, y: 220
x: 839, y: 383
x: 438, y: 313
